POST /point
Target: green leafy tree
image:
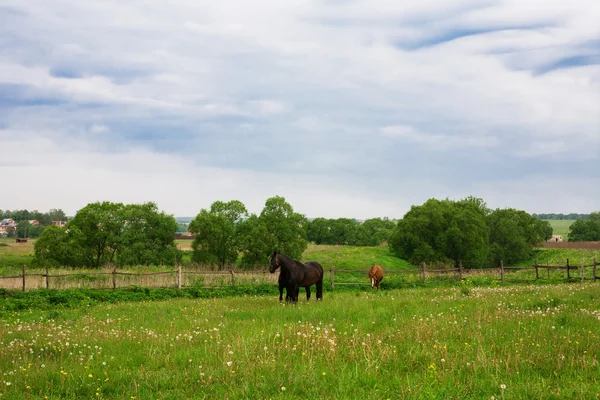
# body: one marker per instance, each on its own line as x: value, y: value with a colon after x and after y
x: 58, y: 247
x: 585, y: 230
x: 99, y: 227
x: 376, y: 231
x: 218, y: 233
x: 147, y: 237
x: 277, y: 228
x: 443, y: 231
x: 318, y: 231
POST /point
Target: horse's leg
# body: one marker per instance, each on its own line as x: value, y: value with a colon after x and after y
x: 296, y: 292
x: 307, y: 293
x: 281, y: 291
x: 320, y: 289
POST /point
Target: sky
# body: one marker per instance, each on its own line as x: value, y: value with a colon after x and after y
x: 346, y: 108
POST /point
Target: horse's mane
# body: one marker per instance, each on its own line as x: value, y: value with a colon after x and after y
x: 290, y: 260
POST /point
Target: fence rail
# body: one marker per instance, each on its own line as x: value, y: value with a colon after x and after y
x: 223, y: 278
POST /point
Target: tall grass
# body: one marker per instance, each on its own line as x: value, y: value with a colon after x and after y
x: 504, y: 343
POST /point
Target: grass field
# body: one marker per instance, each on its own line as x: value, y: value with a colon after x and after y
x: 506, y: 342
x: 353, y: 257
x: 561, y: 227
x: 12, y: 253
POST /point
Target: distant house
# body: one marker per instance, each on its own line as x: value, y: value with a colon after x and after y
x: 8, y: 222
x: 34, y: 222
x: 556, y: 238
x: 60, y: 224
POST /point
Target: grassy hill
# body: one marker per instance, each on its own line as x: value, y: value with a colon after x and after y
x: 353, y: 257
x: 561, y: 227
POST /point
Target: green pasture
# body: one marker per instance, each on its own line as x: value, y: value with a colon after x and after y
x: 353, y: 257
x: 504, y: 342
x: 561, y: 227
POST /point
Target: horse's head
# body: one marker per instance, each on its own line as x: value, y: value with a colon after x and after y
x: 274, y: 262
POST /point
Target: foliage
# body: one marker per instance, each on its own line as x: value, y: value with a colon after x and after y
x: 555, y: 216
x: 448, y: 231
x: 513, y: 235
x: 147, y: 237
x: 218, y: 233
x: 277, y: 227
x: 346, y: 231
x: 98, y: 227
x: 585, y: 230
x: 102, y: 233
x: 59, y: 247
x: 443, y: 231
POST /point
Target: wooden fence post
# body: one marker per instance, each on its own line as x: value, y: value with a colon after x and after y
x: 23, y: 277
x: 548, y: 269
x: 501, y: 271
x: 595, y: 270
x: 582, y: 270
x: 232, y: 278
x: 47, y: 283
x: 568, y: 270
x: 332, y: 271
x: 537, y: 272
x: 460, y: 272
x: 114, y: 276
x: 179, y: 276
x: 423, y: 271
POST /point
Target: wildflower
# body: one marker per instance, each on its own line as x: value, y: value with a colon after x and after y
x: 324, y: 373
x: 503, y: 386
x: 228, y: 363
x: 283, y: 388
x: 265, y: 348
x: 90, y: 376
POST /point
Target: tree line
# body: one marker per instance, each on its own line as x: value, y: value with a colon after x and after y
x: 570, y: 216
x: 438, y: 231
x: 22, y: 217
x: 346, y: 231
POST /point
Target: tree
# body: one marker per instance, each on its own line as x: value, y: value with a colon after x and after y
x: 100, y: 233
x: 218, y: 233
x: 99, y: 227
x: 318, y: 231
x: 58, y: 247
x: 277, y: 228
x: 147, y: 237
x: 376, y: 231
x: 585, y: 230
x: 443, y: 231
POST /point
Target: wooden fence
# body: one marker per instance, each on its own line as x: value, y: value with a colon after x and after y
x: 172, y: 278
x: 180, y: 278
x: 503, y: 273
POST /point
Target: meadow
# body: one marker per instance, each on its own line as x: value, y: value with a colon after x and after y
x: 561, y: 227
x: 502, y: 342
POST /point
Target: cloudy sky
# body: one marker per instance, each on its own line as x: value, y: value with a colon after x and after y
x: 346, y: 108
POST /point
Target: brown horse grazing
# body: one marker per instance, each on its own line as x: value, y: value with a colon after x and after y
x: 297, y: 275
x: 376, y: 275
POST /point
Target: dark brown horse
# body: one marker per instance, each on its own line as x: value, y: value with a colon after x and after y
x: 376, y: 275
x: 284, y: 279
x: 296, y: 275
